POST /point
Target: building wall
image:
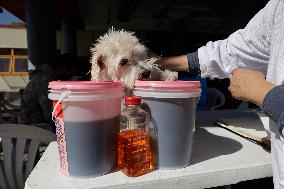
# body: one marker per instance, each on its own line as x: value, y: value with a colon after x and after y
x: 17, y: 38
x: 85, y: 40
x: 14, y: 38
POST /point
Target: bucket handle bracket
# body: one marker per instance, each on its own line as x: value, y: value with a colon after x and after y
x: 64, y: 95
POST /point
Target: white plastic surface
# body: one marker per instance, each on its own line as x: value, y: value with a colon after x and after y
x: 167, y: 89
x: 219, y: 158
x: 168, y: 84
x: 166, y: 95
x: 89, y: 95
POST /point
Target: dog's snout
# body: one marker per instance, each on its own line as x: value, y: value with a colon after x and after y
x: 146, y: 74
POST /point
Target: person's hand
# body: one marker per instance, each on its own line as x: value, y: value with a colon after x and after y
x: 249, y: 85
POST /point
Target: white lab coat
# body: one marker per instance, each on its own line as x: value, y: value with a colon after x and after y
x: 259, y: 46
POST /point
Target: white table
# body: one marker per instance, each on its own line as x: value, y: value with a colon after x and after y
x: 219, y: 158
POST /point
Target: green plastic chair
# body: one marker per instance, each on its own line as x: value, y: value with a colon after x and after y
x: 21, y: 147
x: 215, y: 99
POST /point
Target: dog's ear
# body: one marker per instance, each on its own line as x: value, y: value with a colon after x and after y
x: 98, y: 65
x: 101, y: 61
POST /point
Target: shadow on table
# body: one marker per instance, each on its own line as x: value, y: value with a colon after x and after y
x: 208, y: 146
x: 248, y: 119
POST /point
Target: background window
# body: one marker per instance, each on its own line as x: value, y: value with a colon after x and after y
x: 4, y: 64
x: 20, y: 52
x: 5, y: 51
x: 21, y: 65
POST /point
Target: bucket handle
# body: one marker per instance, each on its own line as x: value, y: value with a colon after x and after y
x: 64, y: 95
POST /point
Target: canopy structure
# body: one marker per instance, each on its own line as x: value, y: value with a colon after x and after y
x: 12, y: 38
x: 13, y: 83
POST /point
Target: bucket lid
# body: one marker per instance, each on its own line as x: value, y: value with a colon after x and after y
x: 168, y: 84
x: 83, y: 84
x: 167, y: 89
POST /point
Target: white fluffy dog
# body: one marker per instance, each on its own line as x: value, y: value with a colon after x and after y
x: 119, y: 56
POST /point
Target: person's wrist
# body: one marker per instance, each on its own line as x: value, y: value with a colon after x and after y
x: 193, y: 63
x: 183, y: 63
x: 259, y: 92
x: 272, y: 104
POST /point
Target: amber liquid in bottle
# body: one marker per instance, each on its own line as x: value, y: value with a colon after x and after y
x: 135, y: 152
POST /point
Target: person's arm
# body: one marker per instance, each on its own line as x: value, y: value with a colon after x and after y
x: 246, y: 48
x: 185, y: 63
x: 251, y: 86
x: 176, y: 63
x: 273, y: 105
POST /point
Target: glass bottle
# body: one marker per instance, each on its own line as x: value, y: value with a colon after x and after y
x: 135, y: 140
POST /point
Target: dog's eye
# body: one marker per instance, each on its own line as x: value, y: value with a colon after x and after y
x: 123, y: 61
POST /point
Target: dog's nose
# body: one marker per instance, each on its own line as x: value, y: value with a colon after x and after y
x: 146, y: 74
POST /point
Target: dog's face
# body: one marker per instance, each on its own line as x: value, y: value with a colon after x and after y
x: 125, y: 64
x: 119, y: 56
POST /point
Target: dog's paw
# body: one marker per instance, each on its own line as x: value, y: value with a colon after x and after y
x: 168, y: 75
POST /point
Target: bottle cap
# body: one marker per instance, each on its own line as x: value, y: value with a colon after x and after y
x: 132, y: 100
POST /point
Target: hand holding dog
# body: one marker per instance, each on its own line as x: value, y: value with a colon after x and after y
x: 249, y: 85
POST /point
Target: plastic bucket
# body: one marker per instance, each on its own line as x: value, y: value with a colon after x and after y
x: 172, y: 105
x: 86, y: 116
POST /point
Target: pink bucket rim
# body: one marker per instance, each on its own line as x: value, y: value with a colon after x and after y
x: 83, y: 84
x: 168, y: 84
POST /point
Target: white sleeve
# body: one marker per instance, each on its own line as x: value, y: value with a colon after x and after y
x: 247, y: 48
